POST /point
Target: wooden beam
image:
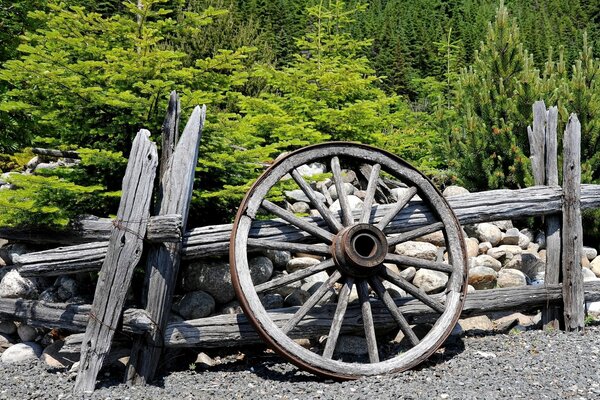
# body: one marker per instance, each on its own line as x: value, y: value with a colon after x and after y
x: 124, y: 251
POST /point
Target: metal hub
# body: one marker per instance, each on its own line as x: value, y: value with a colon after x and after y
x: 359, y: 250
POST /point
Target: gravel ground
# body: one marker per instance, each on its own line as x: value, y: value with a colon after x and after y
x: 526, y: 365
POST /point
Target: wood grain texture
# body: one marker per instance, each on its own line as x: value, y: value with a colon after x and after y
x: 537, y: 142
x: 175, y: 191
x: 124, y: 251
x: 572, y: 230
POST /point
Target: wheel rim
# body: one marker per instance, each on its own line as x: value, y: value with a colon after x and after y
x: 354, y: 247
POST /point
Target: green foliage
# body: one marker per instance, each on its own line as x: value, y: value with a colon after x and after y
x: 493, y: 101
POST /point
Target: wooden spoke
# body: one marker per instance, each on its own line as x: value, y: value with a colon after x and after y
x: 418, y: 263
x: 370, y: 196
x: 297, y: 222
x: 311, y: 302
x: 393, y: 309
x: 402, y: 201
x: 318, y: 204
x: 415, y: 233
x: 347, y: 218
x: 408, y: 287
x: 338, y: 318
x: 294, y: 276
x: 368, y: 324
x: 316, y: 249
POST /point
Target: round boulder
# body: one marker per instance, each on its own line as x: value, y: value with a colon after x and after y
x: 482, y: 278
x: 299, y: 263
x: 13, y: 286
x: 509, y: 277
x: 213, y: 278
x: 423, y: 250
x: 430, y: 281
x: 21, y: 352
x: 194, y: 305
x: 261, y: 269
x: 279, y: 258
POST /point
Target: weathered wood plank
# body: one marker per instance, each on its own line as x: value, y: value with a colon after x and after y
x: 537, y: 143
x: 124, y: 252
x: 572, y: 230
x: 163, y: 261
x: 551, y: 316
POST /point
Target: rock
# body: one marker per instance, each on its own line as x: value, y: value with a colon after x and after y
x: 482, y: 278
x: 504, y: 225
x: 31, y: 164
x: 399, y: 193
x: 470, y: 289
x: 480, y: 323
x: 324, y: 184
x: 394, y: 290
x: 46, y: 165
x: 233, y: 307
x: 204, y: 360
x: 361, y: 194
x: 511, y: 237
x: 5, y: 342
x: 533, y: 248
x: 509, y: 277
x: 472, y: 246
x: 588, y: 275
x: 8, y: 327
x: 423, y: 250
x: 299, y: 263
x: 16, y: 250
x: 531, y: 265
x: 296, y: 298
x: 593, y: 308
x: 510, y: 249
x: 595, y: 266
x: 355, y: 204
x: 485, y: 260
x: 348, y: 189
x: 487, y: 232
x: 430, y: 281
x: 67, y: 287
x: 319, y: 277
x: 298, y: 195
x: 300, y: 207
x: 271, y: 300
x: 454, y: 190
x: 312, y: 169
x: 435, y: 238
x: 261, y: 269
x: 542, y: 256
x: 484, y: 247
x: 524, y: 241
x: 194, y: 305
x: 590, y: 252
x: 408, y: 273
x: 351, y: 345
x: 57, y: 359
x: 585, y: 263
x: 13, y: 286
x: 540, y: 239
x: 497, y: 253
x: 49, y: 295
x: 28, y: 333
x: 349, y: 176
x: 21, y: 352
x: 213, y: 278
x: 279, y: 258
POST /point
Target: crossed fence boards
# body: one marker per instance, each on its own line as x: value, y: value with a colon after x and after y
x: 116, y: 247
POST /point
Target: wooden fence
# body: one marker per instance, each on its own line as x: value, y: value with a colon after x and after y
x: 114, y: 247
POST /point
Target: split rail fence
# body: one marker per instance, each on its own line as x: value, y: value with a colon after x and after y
x: 115, y: 247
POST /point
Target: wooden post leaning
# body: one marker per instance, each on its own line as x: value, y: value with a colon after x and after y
x: 572, y: 230
x: 123, y: 254
x: 163, y: 260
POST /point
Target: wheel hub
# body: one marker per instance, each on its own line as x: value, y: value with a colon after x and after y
x: 359, y: 250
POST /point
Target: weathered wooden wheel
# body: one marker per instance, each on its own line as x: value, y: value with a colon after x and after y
x: 354, y: 246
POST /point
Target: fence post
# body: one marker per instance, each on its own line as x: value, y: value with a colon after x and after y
x: 551, y: 315
x: 123, y: 254
x: 572, y: 232
x: 163, y: 259
x: 537, y: 142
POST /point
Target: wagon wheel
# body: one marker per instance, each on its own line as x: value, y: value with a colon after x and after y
x: 356, y: 249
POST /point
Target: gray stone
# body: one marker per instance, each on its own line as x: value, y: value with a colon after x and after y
x: 511, y: 237
x: 21, y: 352
x: 67, y: 288
x: 400, y: 192
x: 31, y: 164
x: 279, y: 258
x: 454, y: 190
x: 271, y: 300
x: 472, y: 247
x: 194, y: 305
x: 497, y: 253
x: 312, y: 169
x: 588, y: 275
x: 349, y: 176
x: 233, y: 307
x: 5, y: 342
x: 351, y: 345
x: 487, y: 232
x: 590, y: 252
x: 298, y: 195
x: 394, y: 290
x: 510, y: 249
x: 8, y: 327
x: 435, y: 238
x: 484, y: 247
x: 482, y: 278
x: 205, y: 360
x: 423, y: 250
x: 509, y: 277
x: 355, y: 204
x: 213, y: 278
x: 15, y: 250
x: 49, y: 295
x: 299, y: 263
x: 28, y: 333
x: 261, y: 269
x: 540, y: 239
x: 504, y: 224
x: 319, y: 277
x: 524, y: 241
x: 300, y: 207
x: 485, y: 260
x: 408, y: 273
x: 13, y: 286
x: 296, y: 298
x: 348, y: 189
x: 53, y: 356
x: 481, y: 323
x: 531, y: 265
x: 430, y: 281
x: 595, y: 266
x: 529, y: 233
x: 46, y: 165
